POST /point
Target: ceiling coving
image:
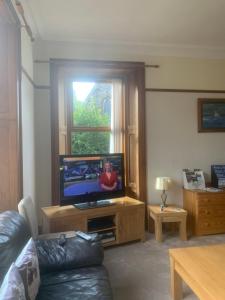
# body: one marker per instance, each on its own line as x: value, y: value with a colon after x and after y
x: 163, y: 22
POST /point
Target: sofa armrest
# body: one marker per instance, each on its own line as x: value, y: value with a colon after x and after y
x: 75, y: 252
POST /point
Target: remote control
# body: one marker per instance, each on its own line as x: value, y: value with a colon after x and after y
x: 83, y: 235
x: 62, y: 239
x: 62, y: 236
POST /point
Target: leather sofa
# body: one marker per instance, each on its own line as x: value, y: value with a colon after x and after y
x: 71, y: 268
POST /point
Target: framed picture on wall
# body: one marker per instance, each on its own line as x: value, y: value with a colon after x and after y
x: 211, y: 115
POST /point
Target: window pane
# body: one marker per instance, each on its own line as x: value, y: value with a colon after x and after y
x: 92, y: 104
x: 90, y: 142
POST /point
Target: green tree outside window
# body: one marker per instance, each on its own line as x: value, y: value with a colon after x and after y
x: 94, y: 111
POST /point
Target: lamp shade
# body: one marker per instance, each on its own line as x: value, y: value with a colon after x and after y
x: 162, y: 183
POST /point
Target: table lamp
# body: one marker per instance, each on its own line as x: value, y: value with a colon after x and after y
x: 162, y: 184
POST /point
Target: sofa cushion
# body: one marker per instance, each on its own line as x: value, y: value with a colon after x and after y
x: 14, y: 233
x: 27, y: 209
x: 75, y: 252
x: 83, y: 283
x: 12, y: 286
x: 27, y: 264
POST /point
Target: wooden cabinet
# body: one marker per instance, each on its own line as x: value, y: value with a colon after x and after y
x: 10, y: 150
x: 206, y: 211
x: 65, y: 224
x: 126, y: 216
x: 131, y: 224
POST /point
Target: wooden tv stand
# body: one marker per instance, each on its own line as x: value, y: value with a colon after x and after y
x: 126, y: 219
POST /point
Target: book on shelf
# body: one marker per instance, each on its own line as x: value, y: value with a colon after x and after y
x: 107, y: 240
x: 107, y: 236
x: 218, y: 176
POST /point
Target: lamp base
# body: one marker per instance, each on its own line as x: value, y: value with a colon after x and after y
x: 163, y: 198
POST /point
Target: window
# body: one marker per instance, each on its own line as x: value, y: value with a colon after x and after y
x: 99, y: 107
x: 94, y: 118
x: 91, y: 117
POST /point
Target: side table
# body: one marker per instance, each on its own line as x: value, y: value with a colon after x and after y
x: 169, y: 214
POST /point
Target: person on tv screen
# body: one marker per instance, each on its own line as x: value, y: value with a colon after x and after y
x: 108, y: 179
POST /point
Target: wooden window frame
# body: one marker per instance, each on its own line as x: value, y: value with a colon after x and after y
x: 129, y: 73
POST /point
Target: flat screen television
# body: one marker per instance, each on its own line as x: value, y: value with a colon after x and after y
x: 86, y: 179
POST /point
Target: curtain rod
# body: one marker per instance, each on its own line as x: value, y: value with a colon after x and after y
x: 26, y: 25
x: 152, y: 66
x: 38, y: 61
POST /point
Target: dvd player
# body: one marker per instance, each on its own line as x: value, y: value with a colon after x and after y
x: 94, y: 204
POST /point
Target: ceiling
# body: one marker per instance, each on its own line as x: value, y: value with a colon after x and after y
x: 163, y: 22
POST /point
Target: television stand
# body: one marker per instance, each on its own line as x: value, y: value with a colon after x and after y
x: 120, y: 222
x: 94, y: 204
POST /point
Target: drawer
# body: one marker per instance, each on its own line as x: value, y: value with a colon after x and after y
x: 211, y: 226
x: 211, y: 199
x: 211, y: 211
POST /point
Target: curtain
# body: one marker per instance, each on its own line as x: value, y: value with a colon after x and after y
x: 117, y: 104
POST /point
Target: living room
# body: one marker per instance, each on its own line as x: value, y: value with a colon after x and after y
x: 180, y: 47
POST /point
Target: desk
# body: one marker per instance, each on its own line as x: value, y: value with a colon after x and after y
x: 169, y: 214
x: 202, y: 268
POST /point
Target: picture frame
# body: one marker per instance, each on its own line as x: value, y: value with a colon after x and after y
x: 211, y: 115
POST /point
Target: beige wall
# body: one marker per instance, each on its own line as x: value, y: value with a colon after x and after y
x: 174, y: 72
x: 27, y: 108
x: 187, y: 73
x: 172, y: 139
x: 43, y: 147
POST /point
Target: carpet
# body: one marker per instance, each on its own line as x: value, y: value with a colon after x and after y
x: 140, y: 271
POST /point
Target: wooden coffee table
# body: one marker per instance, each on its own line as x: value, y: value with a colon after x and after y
x: 202, y: 268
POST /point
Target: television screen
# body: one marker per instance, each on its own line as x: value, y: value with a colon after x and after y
x: 91, y: 177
